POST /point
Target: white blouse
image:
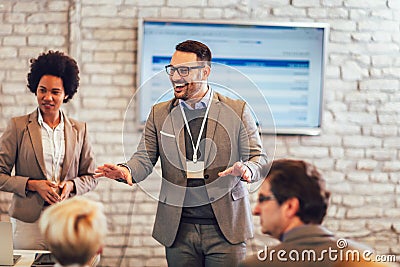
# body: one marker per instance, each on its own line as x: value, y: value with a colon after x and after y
x: 53, y: 142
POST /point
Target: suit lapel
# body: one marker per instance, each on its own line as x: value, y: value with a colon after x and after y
x: 178, y: 125
x: 36, y: 139
x: 211, y: 125
x: 70, y: 143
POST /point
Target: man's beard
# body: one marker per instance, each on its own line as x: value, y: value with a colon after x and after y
x: 185, y: 90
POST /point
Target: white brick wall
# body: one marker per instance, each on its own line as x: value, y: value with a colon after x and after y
x: 358, y: 150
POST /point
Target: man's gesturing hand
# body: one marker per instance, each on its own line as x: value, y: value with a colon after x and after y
x: 238, y: 169
x: 113, y: 172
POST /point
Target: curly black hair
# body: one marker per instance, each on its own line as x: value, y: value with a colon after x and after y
x: 55, y: 63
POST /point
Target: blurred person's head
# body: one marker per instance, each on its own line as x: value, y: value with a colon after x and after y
x: 74, y: 230
x: 292, y: 194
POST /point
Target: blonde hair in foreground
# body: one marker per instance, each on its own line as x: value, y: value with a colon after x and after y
x: 74, y: 230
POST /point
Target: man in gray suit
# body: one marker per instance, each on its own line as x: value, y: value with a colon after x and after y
x: 292, y: 203
x: 208, y: 145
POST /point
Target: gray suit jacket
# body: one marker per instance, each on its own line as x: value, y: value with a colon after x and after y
x: 231, y: 136
x: 310, y: 238
x: 21, y: 146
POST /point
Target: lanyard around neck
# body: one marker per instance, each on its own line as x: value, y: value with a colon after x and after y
x: 196, y: 148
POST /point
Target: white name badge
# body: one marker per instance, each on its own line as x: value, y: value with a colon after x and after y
x: 194, y: 170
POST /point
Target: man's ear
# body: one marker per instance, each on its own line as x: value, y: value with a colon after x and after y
x: 206, y: 71
x: 292, y: 206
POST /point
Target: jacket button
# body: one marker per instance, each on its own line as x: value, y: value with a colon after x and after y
x: 212, y: 199
x: 206, y: 176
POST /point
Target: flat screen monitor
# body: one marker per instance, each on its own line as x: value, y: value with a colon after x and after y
x: 277, y: 68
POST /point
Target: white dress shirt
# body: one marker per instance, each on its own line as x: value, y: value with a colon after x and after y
x: 53, y: 141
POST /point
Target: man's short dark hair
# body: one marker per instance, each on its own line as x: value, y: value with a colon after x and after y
x: 301, y: 180
x: 55, y: 63
x: 202, y: 51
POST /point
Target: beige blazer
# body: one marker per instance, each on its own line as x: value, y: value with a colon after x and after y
x: 21, y: 147
x: 231, y: 136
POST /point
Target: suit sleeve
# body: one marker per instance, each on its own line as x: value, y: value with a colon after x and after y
x: 147, y: 153
x: 85, y: 181
x: 8, y: 156
x: 250, y: 145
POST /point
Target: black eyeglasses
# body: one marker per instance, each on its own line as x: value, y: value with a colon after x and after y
x: 262, y: 198
x: 182, y: 70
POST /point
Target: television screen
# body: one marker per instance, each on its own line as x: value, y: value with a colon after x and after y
x: 277, y: 68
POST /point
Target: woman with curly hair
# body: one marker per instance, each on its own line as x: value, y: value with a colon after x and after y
x: 51, y: 153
